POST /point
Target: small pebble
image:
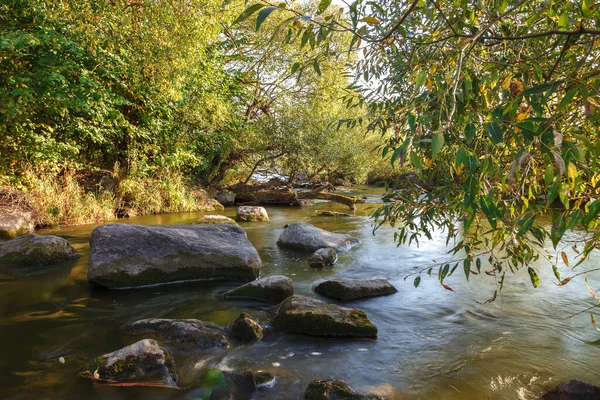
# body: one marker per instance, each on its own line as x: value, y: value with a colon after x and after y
x: 316, y: 353
x: 61, y: 360
x: 363, y: 349
x: 276, y: 364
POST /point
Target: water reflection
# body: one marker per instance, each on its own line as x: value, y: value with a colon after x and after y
x: 433, y: 343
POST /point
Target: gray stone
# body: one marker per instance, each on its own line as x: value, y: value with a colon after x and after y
x: 143, y: 363
x: 226, y: 198
x: 335, y: 390
x: 15, y: 224
x: 307, y: 237
x: 333, y: 214
x: 252, y: 214
x: 124, y: 256
x: 272, y: 289
x: 186, y: 331
x: 214, y: 220
x: 324, y: 257
x: 34, y: 250
x: 300, y: 314
x: 351, y: 289
x: 235, y: 385
x: 573, y: 390
x: 247, y: 329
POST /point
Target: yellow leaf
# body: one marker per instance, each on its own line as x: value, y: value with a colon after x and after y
x: 506, y: 83
x: 96, y: 374
x: 522, y: 116
x: 593, y: 101
x: 428, y: 163
x: 516, y: 88
x: 572, y: 171
x: 371, y: 20
x: 565, y: 258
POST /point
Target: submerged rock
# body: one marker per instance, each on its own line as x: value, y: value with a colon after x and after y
x: 325, y: 257
x: 15, y: 224
x: 334, y: 214
x: 252, y: 214
x: 247, y: 329
x: 272, y: 289
x: 143, y: 363
x: 307, y: 237
x: 36, y: 250
x: 135, y: 255
x: 300, y: 314
x: 234, y: 385
x: 192, y: 331
x: 351, y: 289
x: 335, y: 390
x: 214, y: 220
x: 573, y: 390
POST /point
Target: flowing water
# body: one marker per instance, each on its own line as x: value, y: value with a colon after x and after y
x: 432, y: 344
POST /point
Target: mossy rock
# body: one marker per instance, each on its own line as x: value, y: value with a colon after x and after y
x: 214, y: 220
x: 272, y: 289
x: 247, y: 329
x: 36, y: 250
x: 333, y: 214
x: 15, y: 224
x: 335, y: 390
x: 305, y: 315
x: 252, y: 214
x: 352, y: 289
x: 184, y: 331
x: 325, y: 257
x: 143, y: 363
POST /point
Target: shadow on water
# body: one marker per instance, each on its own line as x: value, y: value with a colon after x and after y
x: 433, y: 343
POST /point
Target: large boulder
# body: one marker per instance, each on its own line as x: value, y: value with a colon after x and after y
x: 143, y: 363
x: 272, y: 289
x: 214, y: 220
x: 324, y: 257
x: 226, y: 198
x: 573, y: 390
x: 306, y: 237
x: 16, y: 223
x: 300, y: 314
x: 247, y: 329
x: 135, y: 255
x: 36, y: 250
x: 351, y: 289
x: 252, y: 214
x: 335, y: 390
x: 186, y: 331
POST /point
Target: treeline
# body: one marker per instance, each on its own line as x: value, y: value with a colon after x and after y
x: 167, y: 96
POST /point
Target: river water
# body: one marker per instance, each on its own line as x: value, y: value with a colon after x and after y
x: 432, y: 344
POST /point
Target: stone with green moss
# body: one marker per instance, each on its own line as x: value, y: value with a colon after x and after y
x: 335, y: 390
x: 247, y: 329
x: 184, y: 331
x: 143, y: 363
x: 252, y: 214
x: 272, y: 289
x: 352, y: 289
x: 36, y: 250
x: 214, y: 220
x: 15, y: 224
x: 123, y: 255
x: 325, y: 257
x: 305, y: 315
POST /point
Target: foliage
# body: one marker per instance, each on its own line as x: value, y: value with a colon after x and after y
x: 494, y: 105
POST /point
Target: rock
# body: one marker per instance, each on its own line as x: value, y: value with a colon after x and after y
x: 351, y: 289
x: 15, y: 224
x: 143, y: 363
x: 324, y: 257
x: 573, y: 390
x: 333, y: 214
x: 134, y: 255
x: 36, y: 250
x: 273, y: 289
x: 214, y: 220
x: 226, y: 198
x: 335, y: 390
x: 234, y: 385
x: 252, y: 214
x: 247, y: 329
x: 299, y: 314
x: 307, y: 237
x: 192, y: 331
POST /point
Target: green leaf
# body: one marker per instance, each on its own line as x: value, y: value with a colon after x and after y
x: 494, y: 131
x: 248, y: 12
x: 535, y: 279
x: 470, y: 131
x: 417, y: 281
x: 467, y: 268
x: 437, y: 142
x: 567, y: 99
x: 559, y: 226
x: 563, y: 20
x: 489, y: 209
x: 412, y: 122
x: 323, y: 4
x: 592, y: 213
x: 295, y: 67
x: 420, y: 79
x: 478, y: 264
x: 556, y: 273
x: 594, y: 343
x: 553, y: 192
x: 470, y: 190
x: 316, y: 67
x: 525, y: 224
x: 415, y: 160
x: 262, y: 16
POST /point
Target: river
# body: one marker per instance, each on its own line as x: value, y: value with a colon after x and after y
x: 432, y: 344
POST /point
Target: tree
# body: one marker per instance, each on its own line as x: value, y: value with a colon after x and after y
x: 493, y: 104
